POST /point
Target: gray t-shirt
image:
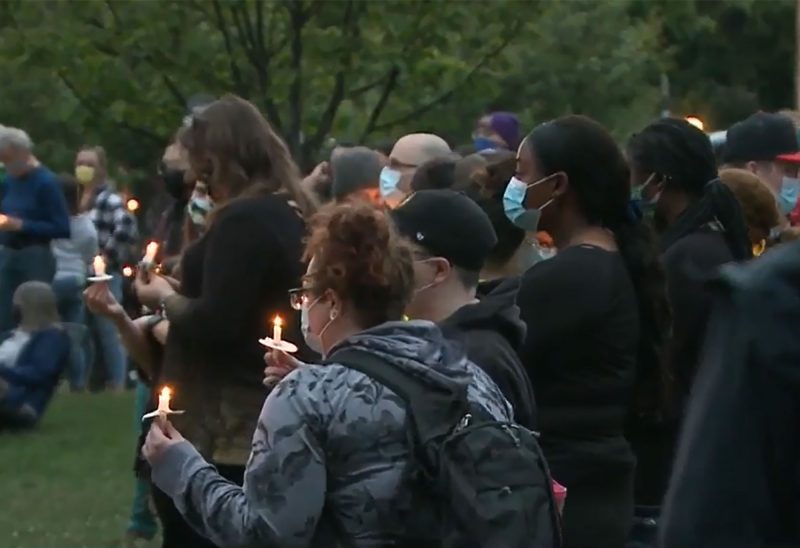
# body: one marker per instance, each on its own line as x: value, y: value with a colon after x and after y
x: 74, y: 254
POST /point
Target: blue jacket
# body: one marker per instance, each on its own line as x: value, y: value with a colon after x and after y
x: 36, y: 199
x: 35, y: 374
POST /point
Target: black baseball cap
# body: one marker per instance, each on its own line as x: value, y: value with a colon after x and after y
x: 447, y: 224
x: 762, y: 137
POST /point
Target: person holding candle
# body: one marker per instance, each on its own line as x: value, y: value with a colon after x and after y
x: 234, y: 280
x: 330, y: 448
x: 33, y: 213
x: 116, y: 231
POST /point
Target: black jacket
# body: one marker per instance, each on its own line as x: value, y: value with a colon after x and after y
x: 736, y: 481
x: 491, y: 332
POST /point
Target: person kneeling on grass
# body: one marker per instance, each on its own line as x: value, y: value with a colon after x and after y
x: 32, y: 356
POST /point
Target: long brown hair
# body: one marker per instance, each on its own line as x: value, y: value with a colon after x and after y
x: 233, y: 147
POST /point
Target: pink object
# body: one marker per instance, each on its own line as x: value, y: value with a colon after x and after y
x: 560, y: 494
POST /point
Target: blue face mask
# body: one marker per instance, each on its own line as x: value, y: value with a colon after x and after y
x: 640, y: 206
x: 514, y: 204
x: 390, y: 180
x: 484, y: 143
x: 790, y: 191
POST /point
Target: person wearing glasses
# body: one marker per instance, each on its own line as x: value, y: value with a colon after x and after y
x: 330, y: 448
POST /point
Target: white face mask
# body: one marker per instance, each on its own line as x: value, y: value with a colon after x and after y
x: 314, y: 341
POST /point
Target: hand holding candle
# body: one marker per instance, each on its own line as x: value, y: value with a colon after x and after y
x: 277, y: 342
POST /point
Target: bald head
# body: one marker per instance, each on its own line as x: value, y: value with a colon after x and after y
x: 416, y: 149
x: 411, y: 151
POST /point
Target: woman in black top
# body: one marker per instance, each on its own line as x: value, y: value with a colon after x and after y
x: 583, y: 314
x: 701, y: 227
x: 234, y: 281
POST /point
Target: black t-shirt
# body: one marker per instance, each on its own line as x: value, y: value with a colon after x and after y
x: 580, y: 352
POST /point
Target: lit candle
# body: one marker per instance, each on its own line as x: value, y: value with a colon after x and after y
x: 277, y: 330
x: 99, y: 266
x: 150, y: 253
x: 133, y: 205
x: 163, y: 401
x: 127, y: 271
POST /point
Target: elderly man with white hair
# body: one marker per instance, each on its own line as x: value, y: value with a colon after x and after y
x: 33, y: 212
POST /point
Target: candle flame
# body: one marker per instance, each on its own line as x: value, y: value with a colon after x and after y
x: 696, y: 122
x: 133, y: 204
x: 99, y: 266
x: 127, y: 271
x: 166, y: 392
x: 278, y: 322
x: 152, y: 248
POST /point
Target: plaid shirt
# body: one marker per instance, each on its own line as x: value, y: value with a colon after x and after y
x: 116, y: 227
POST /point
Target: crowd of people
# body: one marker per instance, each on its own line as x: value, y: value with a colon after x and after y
x: 632, y: 305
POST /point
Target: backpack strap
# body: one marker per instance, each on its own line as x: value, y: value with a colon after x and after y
x: 435, y: 408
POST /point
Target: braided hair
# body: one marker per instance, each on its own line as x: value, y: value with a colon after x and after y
x: 682, y: 156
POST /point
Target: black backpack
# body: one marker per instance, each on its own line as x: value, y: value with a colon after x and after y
x: 488, y: 480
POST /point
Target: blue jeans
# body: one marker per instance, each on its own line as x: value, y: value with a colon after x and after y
x: 109, y: 343
x: 17, y: 266
x: 69, y: 294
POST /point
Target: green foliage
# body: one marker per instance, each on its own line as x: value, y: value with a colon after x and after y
x: 120, y: 72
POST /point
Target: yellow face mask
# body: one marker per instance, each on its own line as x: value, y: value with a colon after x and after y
x: 84, y: 174
x: 759, y: 248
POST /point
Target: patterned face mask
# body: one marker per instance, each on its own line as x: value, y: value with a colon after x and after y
x: 199, y: 206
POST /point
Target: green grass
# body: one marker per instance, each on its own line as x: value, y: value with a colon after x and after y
x: 69, y: 483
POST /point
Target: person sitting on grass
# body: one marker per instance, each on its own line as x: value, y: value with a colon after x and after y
x: 32, y: 356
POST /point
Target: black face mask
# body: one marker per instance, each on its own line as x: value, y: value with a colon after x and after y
x: 174, y: 183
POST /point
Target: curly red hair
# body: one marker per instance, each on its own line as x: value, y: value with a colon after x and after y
x: 358, y: 255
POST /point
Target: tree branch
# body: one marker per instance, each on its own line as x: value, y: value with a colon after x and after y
x: 298, y: 20
x: 441, y: 98
x: 391, y: 82
x: 349, y: 30
x: 258, y: 57
x: 173, y: 89
x: 236, y: 74
x: 99, y: 113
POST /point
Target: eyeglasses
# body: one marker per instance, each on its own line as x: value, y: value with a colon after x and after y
x: 298, y: 297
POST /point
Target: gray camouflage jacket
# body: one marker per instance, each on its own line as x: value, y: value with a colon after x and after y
x: 328, y: 453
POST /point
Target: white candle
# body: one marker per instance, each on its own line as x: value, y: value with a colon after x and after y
x: 150, y: 253
x: 276, y: 329
x: 163, y: 400
x: 99, y: 266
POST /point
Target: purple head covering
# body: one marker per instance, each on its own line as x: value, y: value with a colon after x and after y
x: 506, y: 125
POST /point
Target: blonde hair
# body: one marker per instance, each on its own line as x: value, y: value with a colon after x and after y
x: 754, y: 196
x: 100, y: 154
x: 37, y: 305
